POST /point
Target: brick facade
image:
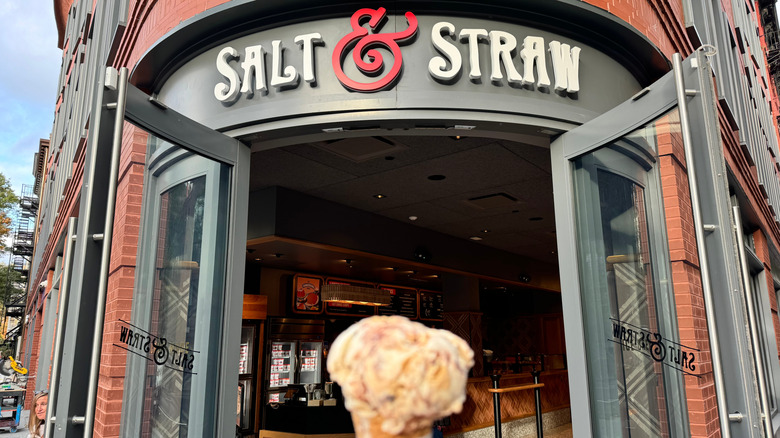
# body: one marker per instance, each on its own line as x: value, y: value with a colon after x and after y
x: 119, y: 294
x: 686, y: 277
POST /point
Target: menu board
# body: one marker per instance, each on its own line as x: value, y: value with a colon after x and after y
x: 346, y: 308
x: 403, y: 302
x: 306, y: 294
x: 431, y: 305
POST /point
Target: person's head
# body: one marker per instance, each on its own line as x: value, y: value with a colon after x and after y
x: 38, y: 416
x: 41, y: 402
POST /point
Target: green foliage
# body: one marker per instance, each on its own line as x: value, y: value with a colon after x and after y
x: 7, y: 197
x: 11, y: 286
x: 6, y: 350
x: 8, y: 201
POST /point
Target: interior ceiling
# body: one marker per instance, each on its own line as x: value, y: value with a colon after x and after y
x: 497, y: 190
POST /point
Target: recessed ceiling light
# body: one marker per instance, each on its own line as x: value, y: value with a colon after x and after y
x: 436, y: 177
x: 259, y: 259
x: 475, y: 238
x: 485, y: 230
x: 412, y: 218
x: 379, y: 196
x: 535, y: 219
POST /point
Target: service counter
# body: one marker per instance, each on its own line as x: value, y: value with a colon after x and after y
x: 299, y: 421
x: 308, y: 420
x: 478, y: 409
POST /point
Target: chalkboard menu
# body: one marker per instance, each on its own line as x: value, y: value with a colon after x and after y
x: 431, y: 305
x: 404, y: 302
x: 346, y: 308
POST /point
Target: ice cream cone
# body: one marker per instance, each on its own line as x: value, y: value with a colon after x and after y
x: 371, y: 427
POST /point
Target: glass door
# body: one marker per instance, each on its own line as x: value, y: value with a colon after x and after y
x: 625, y: 286
x: 628, y: 368
x: 619, y: 306
x: 183, y: 337
x: 188, y: 240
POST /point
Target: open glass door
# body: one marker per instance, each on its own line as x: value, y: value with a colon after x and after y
x: 183, y: 334
x: 629, y: 369
x: 619, y: 306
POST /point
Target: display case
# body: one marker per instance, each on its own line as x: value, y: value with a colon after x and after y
x: 247, y: 415
x: 281, y: 368
x: 310, y: 358
x: 294, y: 356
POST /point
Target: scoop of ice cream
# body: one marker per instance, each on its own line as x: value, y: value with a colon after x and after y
x: 401, y: 372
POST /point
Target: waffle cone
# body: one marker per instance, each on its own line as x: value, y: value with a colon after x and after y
x: 371, y: 427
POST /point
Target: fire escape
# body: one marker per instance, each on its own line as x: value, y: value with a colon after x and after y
x: 772, y: 38
x: 22, y: 250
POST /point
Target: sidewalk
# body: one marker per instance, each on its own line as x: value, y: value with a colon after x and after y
x: 21, y: 431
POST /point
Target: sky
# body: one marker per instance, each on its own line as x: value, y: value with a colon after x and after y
x: 29, y: 72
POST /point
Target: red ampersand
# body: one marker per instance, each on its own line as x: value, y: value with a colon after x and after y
x: 364, y: 48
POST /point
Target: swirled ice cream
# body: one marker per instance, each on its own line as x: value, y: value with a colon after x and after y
x: 398, y: 376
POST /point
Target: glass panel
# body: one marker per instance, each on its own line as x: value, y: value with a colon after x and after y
x: 627, y: 302
x: 311, y: 362
x: 244, y: 420
x: 765, y: 356
x: 245, y: 350
x: 281, y: 371
x: 175, y: 302
x: 178, y: 297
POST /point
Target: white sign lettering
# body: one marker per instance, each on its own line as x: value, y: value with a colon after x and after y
x: 565, y: 59
x: 446, y: 67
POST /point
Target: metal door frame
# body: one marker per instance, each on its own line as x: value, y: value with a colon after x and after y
x: 689, y: 87
x: 73, y: 414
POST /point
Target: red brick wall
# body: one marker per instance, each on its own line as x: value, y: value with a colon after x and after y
x: 119, y: 295
x: 32, y: 366
x: 659, y: 20
x: 686, y: 276
x: 149, y: 20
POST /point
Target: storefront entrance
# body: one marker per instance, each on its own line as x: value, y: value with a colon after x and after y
x: 439, y: 183
x: 413, y: 210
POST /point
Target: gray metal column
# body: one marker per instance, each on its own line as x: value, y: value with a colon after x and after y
x: 84, y: 284
x: 61, y: 312
x: 740, y: 414
x: 105, y: 237
x: 704, y: 266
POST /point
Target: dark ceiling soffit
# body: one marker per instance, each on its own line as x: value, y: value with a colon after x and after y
x: 571, y: 18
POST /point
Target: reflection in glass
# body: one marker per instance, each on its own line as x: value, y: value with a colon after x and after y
x: 175, y: 302
x: 628, y: 303
x: 245, y: 350
x: 171, y: 383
